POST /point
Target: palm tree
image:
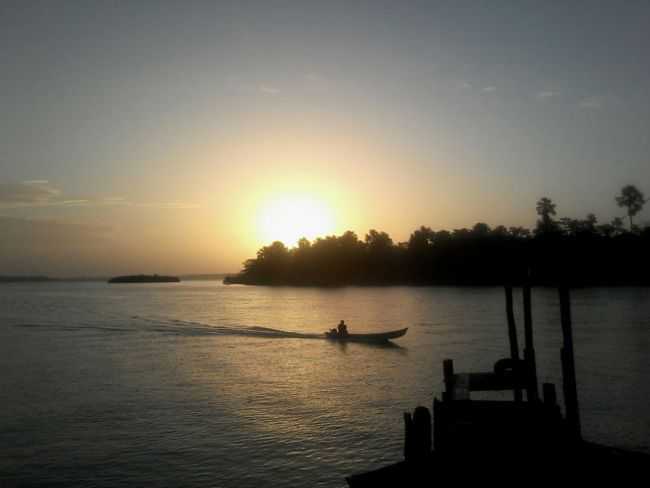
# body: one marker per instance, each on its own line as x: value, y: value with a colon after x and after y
x: 545, y: 209
x: 632, y: 198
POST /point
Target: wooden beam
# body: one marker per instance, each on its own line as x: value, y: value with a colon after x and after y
x: 448, y: 374
x: 532, y: 392
x: 550, y: 397
x: 493, y: 382
x: 568, y: 364
x: 512, y: 334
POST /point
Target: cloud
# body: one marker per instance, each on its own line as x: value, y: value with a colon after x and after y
x: 36, y: 182
x: 28, y: 192
x: 542, y: 95
x: 75, y: 202
x: 315, y: 77
x: 40, y: 193
x: 268, y: 89
x: 179, y: 205
x: 242, y: 85
x: 489, y: 89
x: 592, y: 103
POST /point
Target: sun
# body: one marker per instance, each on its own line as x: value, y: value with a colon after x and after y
x: 288, y: 218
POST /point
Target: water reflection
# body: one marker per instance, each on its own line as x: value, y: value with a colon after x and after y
x: 206, y: 384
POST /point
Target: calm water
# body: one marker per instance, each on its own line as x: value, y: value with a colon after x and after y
x: 186, y: 385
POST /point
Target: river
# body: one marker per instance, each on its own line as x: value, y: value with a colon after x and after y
x: 201, y: 384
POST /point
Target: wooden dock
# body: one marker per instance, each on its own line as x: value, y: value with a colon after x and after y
x: 525, y: 440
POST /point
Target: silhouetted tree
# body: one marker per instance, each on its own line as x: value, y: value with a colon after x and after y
x: 617, y: 223
x: 421, y: 240
x: 580, y: 250
x: 481, y: 229
x: 378, y: 241
x: 519, y: 232
x: 631, y: 198
x: 546, y: 209
x: 569, y: 226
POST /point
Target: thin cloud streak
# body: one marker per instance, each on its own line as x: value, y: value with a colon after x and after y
x: 268, y: 89
x: 542, y: 95
x: 591, y: 103
x: 39, y: 194
x: 33, y: 191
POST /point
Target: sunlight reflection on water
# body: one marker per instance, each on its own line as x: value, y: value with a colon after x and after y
x: 201, y: 384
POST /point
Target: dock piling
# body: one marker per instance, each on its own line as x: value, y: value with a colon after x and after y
x: 512, y: 335
x: 568, y: 364
x: 532, y: 392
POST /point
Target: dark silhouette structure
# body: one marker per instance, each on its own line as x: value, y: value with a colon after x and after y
x: 508, y: 442
x: 580, y: 250
x: 144, y: 279
x: 632, y: 199
x: 342, y: 329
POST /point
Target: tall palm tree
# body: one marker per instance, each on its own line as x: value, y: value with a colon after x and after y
x: 545, y: 209
x: 632, y: 198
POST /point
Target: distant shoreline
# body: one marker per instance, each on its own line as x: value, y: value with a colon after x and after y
x: 145, y: 279
x: 98, y: 279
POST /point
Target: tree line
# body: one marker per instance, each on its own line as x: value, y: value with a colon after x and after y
x: 577, y: 251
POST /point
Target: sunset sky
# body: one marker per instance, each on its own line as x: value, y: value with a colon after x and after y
x: 179, y: 137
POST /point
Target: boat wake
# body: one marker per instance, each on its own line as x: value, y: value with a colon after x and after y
x: 161, y: 325
x: 185, y: 327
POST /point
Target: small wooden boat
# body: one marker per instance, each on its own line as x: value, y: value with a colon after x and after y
x: 376, y: 337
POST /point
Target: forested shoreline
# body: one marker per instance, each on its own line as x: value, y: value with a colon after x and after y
x: 580, y: 252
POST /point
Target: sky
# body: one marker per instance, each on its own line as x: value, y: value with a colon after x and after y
x: 177, y: 137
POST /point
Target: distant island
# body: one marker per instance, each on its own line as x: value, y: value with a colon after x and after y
x: 145, y: 279
x: 580, y: 252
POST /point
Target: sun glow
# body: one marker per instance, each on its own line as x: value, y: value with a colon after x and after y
x: 290, y: 217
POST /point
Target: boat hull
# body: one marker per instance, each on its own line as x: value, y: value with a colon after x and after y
x: 377, y: 337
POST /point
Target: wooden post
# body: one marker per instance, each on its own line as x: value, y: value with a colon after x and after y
x: 512, y: 335
x: 417, y: 434
x: 568, y: 364
x: 529, y: 350
x: 422, y: 426
x: 408, y: 436
x: 550, y: 398
x: 448, y: 374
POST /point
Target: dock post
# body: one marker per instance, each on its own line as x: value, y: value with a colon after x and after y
x: 550, y: 397
x: 417, y: 434
x: 408, y: 436
x: 448, y: 374
x: 512, y: 335
x: 532, y: 392
x: 568, y: 364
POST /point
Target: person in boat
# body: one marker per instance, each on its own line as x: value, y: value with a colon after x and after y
x: 342, y: 329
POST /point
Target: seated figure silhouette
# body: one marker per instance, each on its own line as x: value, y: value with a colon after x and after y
x: 342, y: 329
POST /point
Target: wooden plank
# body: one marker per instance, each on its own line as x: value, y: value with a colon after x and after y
x: 493, y: 382
x: 462, y: 386
x: 422, y: 428
x: 512, y: 334
x: 448, y: 375
x: 568, y: 364
x: 532, y: 392
x: 550, y: 397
